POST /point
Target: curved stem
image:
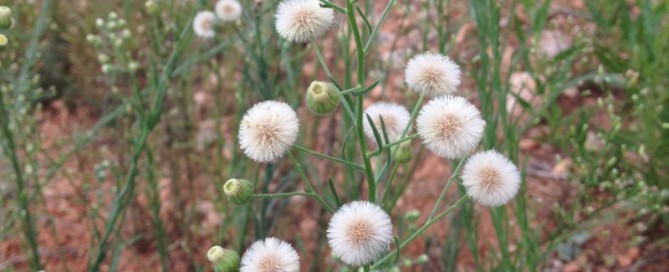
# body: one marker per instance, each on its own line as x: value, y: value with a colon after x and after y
x: 422, y: 229
x: 310, y: 187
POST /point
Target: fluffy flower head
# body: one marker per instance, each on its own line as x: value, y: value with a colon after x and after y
x: 395, y: 118
x: 228, y: 10
x: 490, y: 178
x: 203, y: 24
x: 270, y: 255
x: 302, y: 20
x: 450, y: 126
x: 432, y: 75
x: 358, y: 232
x: 268, y: 130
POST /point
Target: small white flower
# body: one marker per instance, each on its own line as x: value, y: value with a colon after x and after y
x: 270, y: 255
x: 432, y: 75
x: 450, y: 126
x: 490, y: 178
x: 228, y: 10
x: 302, y: 20
x: 358, y: 232
x: 395, y: 118
x: 203, y: 24
x: 268, y: 130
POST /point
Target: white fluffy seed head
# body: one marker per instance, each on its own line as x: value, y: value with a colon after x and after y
x: 395, y: 118
x: 359, y: 232
x: 228, y: 10
x: 268, y: 130
x: 302, y: 20
x: 203, y: 24
x: 450, y: 126
x: 432, y: 75
x: 270, y: 255
x: 490, y: 178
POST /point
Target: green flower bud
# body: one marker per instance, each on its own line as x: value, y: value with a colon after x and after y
x: 5, y: 17
x: 103, y: 58
x: 151, y: 7
x: 322, y: 97
x: 107, y: 68
x: 224, y: 260
x: 133, y: 66
x: 402, y: 152
x: 238, y: 191
x: 3, y: 40
x: 422, y: 259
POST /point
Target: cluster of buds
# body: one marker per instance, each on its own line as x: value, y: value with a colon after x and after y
x: 115, y: 34
x: 6, y: 22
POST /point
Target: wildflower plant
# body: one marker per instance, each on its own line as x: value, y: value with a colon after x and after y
x: 361, y: 232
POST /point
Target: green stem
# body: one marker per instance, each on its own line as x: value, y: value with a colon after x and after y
x: 277, y: 195
x: 310, y: 187
x: 334, y: 6
x: 379, y: 150
x: 448, y: 184
x: 327, y: 157
x: 429, y: 222
x: 22, y: 194
x: 371, y: 183
x: 390, y: 182
x: 376, y: 28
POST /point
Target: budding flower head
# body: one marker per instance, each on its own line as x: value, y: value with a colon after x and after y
x: 322, y: 97
x: 395, y: 119
x: 238, y: 191
x: 402, y: 152
x: 358, y: 232
x: 228, y: 10
x: 490, y: 178
x: 224, y: 260
x: 268, y: 130
x: 270, y: 255
x: 3, y: 40
x: 432, y: 75
x: 302, y: 20
x: 5, y: 17
x: 151, y: 7
x: 203, y: 24
x: 450, y: 126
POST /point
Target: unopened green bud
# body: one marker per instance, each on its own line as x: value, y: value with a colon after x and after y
x: 5, y: 17
x: 151, y: 7
x: 402, y: 152
x: 224, y: 260
x: 422, y: 259
x: 133, y: 66
x: 3, y: 40
x: 238, y: 191
x: 99, y: 22
x: 412, y: 215
x: 103, y: 58
x: 322, y: 97
x: 107, y: 68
